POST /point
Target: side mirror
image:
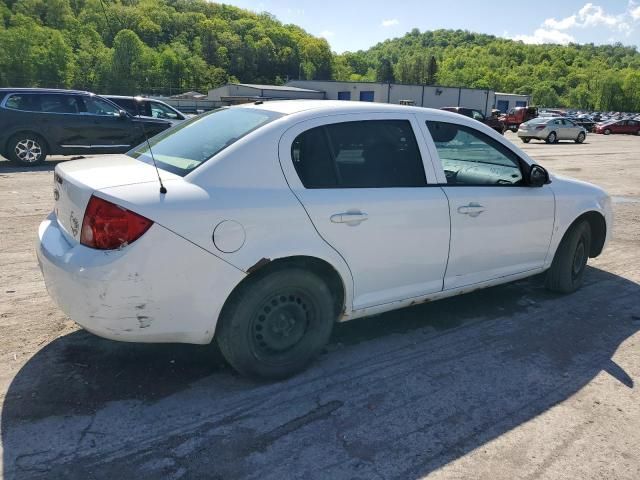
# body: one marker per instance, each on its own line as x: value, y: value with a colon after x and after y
x: 538, y: 176
x: 123, y: 114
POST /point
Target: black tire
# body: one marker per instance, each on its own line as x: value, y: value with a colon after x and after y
x: 569, y: 263
x: 607, y: 131
x: 26, y: 149
x: 525, y: 140
x: 581, y: 137
x: 277, y: 323
x: 552, y: 138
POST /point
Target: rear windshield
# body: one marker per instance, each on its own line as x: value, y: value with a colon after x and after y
x: 188, y: 145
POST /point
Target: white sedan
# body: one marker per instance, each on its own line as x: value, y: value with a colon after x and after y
x: 276, y: 220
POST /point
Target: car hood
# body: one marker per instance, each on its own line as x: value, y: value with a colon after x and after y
x: 569, y: 186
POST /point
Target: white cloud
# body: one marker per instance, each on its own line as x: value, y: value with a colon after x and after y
x: 390, y: 23
x: 563, y: 24
x: 543, y: 35
x: 327, y: 34
x: 593, y: 15
x: 589, y: 16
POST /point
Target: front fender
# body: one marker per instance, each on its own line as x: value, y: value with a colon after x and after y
x: 573, y: 200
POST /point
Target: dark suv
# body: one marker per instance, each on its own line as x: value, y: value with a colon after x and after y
x: 491, y: 121
x: 36, y: 122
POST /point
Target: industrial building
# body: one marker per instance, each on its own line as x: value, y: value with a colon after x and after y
x: 420, y: 95
x: 234, y: 93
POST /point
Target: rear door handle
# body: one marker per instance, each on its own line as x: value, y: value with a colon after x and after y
x: 351, y: 218
x: 473, y: 209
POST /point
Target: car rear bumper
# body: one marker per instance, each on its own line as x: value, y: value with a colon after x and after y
x: 161, y: 288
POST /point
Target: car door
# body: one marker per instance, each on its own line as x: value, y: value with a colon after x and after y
x: 499, y: 225
x: 60, y: 119
x: 363, y: 183
x: 107, y: 128
x: 558, y: 127
x: 634, y: 126
x: 571, y: 130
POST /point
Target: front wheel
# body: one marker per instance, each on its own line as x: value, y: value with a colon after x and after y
x: 569, y: 263
x: 274, y: 325
x: 607, y: 131
x: 526, y: 140
x: 581, y: 137
x: 26, y: 149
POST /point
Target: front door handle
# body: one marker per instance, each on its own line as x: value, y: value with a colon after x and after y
x: 351, y: 217
x: 473, y: 209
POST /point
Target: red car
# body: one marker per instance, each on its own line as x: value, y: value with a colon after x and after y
x: 619, y: 126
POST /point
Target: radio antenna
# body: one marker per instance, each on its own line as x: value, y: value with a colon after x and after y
x: 163, y: 190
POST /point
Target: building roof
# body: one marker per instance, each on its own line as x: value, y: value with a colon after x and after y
x: 190, y: 94
x: 283, y: 88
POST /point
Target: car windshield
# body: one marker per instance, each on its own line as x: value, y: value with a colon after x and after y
x: 187, y: 146
x: 539, y: 120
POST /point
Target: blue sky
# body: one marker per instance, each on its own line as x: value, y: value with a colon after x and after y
x: 359, y: 24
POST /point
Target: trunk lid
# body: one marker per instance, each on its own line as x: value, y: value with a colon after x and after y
x: 77, y: 180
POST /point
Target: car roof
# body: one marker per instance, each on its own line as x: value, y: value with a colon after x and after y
x: 291, y: 107
x: 43, y: 90
x: 130, y: 97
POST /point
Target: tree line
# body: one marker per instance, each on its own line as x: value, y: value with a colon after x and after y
x: 133, y: 46
x: 169, y: 46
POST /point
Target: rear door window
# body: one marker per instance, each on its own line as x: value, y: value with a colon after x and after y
x: 57, y: 103
x: 363, y: 154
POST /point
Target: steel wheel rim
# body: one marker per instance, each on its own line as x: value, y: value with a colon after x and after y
x: 280, y: 325
x: 578, y: 259
x: 28, y: 150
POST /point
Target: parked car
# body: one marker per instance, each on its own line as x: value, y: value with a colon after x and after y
x: 37, y: 122
x: 518, y: 115
x: 618, y: 126
x: 147, y: 107
x: 492, y: 121
x: 551, y: 130
x: 281, y: 218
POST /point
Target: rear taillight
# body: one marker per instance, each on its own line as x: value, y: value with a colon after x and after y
x: 107, y: 226
x: 541, y: 127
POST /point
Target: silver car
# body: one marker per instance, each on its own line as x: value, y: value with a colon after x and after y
x: 551, y: 130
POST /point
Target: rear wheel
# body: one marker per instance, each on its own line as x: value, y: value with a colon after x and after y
x: 552, y: 138
x: 274, y: 325
x: 26, y: 149
x: 525, y: 139
x: 567, y: 270
x: 581, y: 137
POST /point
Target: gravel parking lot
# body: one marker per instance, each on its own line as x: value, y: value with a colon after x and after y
x: 509, y: 382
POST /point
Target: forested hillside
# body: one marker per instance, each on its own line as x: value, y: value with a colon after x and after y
x: 127, y: 46
x: 169, y: 46
x: 583, y: 76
